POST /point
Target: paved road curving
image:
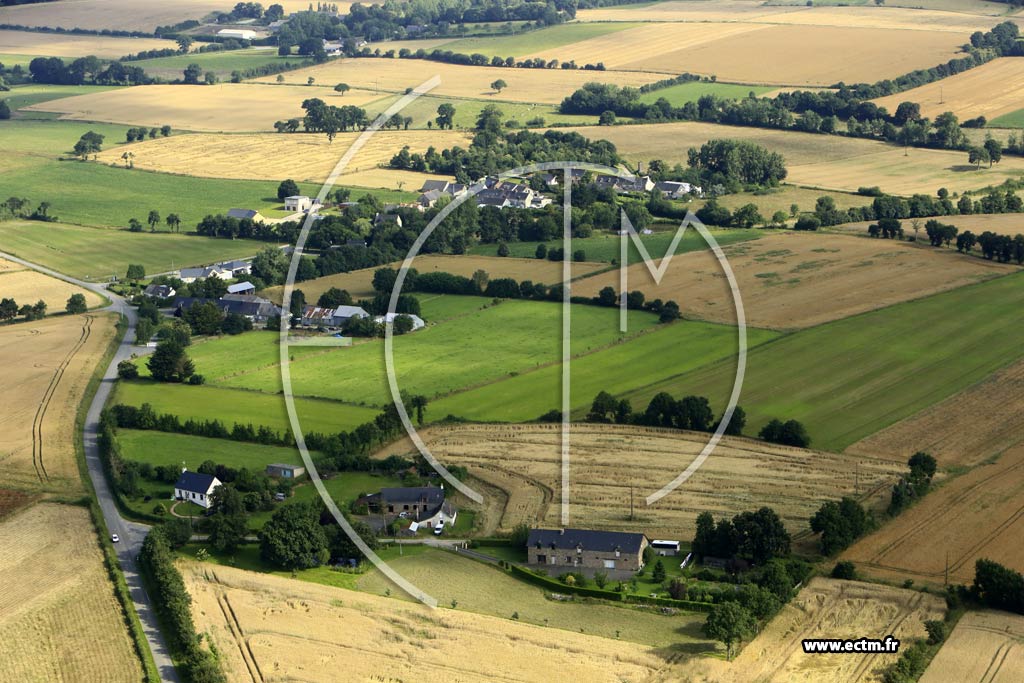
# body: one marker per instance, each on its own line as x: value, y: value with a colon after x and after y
x: 131, y: 533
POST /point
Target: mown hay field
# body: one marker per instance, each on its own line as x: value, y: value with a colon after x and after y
x: 985, y: 647
x: 1000, y: 223
x: 232, y: 107
x: 919, y: 14
x: 59, y: 617
x: 70, y: 46
x: 275, y: 156
x: 818, y: 161
x: 606, y: 462
x: 124, y: 15
x: 28, y: 286
x: 989, y: 90
x: 386, y: 76
x: 359, y: 283
x: 264, y: 624
x: 102, y: 253
x: 975, y: 515
x: 47, y: 364
x: 734, y: 52
x: 793, y: 280
x: 825, y: 608
x: 962, y: 431
x: 850, y: 378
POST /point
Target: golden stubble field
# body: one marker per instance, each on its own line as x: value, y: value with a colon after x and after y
x: 69, y: 46
x: 59, y: 617
x: 825, y: 608
x: 989, y: 90
x: 961, y: 431
x: 826, y: 162
x: 270, y: 628
x: 359, y: 283
x: 791, y: 280
x: 47, y: 365
x: 1000, y: 223
x: 977, y: 514
x: 301, y: 156
x: 608, y: 461
x: 735, y: 52
x: 547, y: 86
x: 28, y: 286
x: 931, y: 15
x: 985, y: 647
x: 227, y: 107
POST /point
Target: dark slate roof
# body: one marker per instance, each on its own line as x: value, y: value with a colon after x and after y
x: 429, y: 495
x: 196, y: 482
x: 587, y: 539
x: 242, y: 213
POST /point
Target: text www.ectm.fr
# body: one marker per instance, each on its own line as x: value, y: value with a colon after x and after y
x: 855, y: 645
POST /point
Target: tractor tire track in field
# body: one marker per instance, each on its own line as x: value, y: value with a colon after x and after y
x: 235, y: 628
x: 960, y: 497
x: 44, y: 404
x: 990, y: 673
x: 865, y: 664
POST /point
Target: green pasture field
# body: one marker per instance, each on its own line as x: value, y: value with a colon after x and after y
x: 665, y: 351
x: 221, y: 63
x: 27, y: 95
x: 606, y: 247
x: 535, y: 41
x: 1014, y: 119
x: 850, y: 378
x: 467, y: 111
x: 9, y: 60
x: 343, y: 487
x: 678, y: 95
x: 479, y: 347
x: 162, y: 448
x: 439, y: 307
x: 244, y: 407
x: 99, y: 253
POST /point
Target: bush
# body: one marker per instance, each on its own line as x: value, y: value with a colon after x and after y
x: 844, y: 570
x: 127, y: 370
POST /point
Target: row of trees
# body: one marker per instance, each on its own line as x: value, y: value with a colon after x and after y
x: 913, y: 485
x: 9, y: 309
x: 755, y: 537
x: 85, y: 71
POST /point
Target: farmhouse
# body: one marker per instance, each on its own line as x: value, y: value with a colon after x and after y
x: 159, y: 291
x: 227, y: 270
x: 195, y: 487
x: 425, y: 505
x: 674, y: 190
x: 318, y: 316
x: 285, y: 471
x: 298, y: 202
x: 586, y: 548
x: 255, y: 308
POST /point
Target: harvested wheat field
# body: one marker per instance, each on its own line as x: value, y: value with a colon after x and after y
x: 741, y: 474
x: 69, y: 46
x: 303, y: 157
x: 386, y: 76
x: 792, y: 280
x: 962, y: 431
x: 359, y: 283
x: 826, y: 162
x: 47, y: 365
x: 989, y: 90
x: 59, y: 617
x: 687, y: 10
x: 269, y: 628
x: 985, y: 647
x: 123, y: 15
x: 999, y: 223
x: 825, y: 608
x: 977, y: 514
x: 230, y: 107
x: 738, y: 56
x: 28, y: 286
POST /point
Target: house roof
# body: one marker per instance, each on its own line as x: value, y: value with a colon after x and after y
x: 241, y: 287
x: 285, y: 466
x: 417, y: 322
x: 585, y: 539
x: 429, y: 495
x: 296, y: 196
x: 234, y: 265
x: 350, y: 312
x: 243, y: 213
x: 196, y: 482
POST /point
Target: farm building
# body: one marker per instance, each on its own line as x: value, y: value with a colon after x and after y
x: 285, y: 471
x: 318, y: 316
x: 674, y: 190
x: 159, y: 291
x: 586, y: 548
x: 227, y: 270
x: 417, y: 322
x: 195, y: 487
x: 425, y: 505
x: 254, y: 308
x: 239, y: 33
x: 298, y: 202
x: 242, y: 288
x: 246, y: 214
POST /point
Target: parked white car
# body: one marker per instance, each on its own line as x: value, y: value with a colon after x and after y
x: 438, y: 529
x: 115, y: 538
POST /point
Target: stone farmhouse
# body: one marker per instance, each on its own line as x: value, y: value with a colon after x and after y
x: 425, y: 505
x: 587, y: 549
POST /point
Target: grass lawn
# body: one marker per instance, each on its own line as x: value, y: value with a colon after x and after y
x: 99, y: 253
x: 678, y: 95
x: 606, y: 247
x: 244, y: 407
x: 344, y: 487
x: 535, y: 41
x: 1014, y: 119
x: 479, y: 347
x: 162, y: 448
x: 649, y: 358
x: 850, y: 378
x: 248, y: 557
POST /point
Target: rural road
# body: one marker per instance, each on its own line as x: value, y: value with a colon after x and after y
x: 130, y: 533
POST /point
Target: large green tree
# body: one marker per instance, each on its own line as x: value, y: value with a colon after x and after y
x: 170, y: 363
x: 729, y: 623
x: 293, y: 538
